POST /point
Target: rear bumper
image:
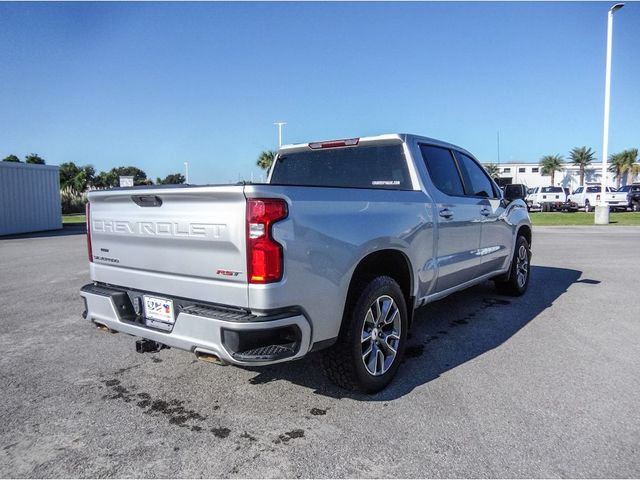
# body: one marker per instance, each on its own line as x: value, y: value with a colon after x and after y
x: 236, y: 339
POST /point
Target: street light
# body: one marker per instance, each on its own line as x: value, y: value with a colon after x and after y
x: 602, y: 210
x: 186, y: 171
x: 280, y: 124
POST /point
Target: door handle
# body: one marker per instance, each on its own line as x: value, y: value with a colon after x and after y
x: 446, y: 213
x: 485, y: 211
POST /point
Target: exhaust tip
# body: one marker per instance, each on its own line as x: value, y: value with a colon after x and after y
x: 209, y: 358
x: 103, y: 328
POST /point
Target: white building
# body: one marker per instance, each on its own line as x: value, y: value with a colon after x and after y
x: 530, y: 174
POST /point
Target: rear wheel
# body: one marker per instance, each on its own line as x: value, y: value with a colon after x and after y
x: 518, y: 281
x: 372, y: 338
x: 587, y: 206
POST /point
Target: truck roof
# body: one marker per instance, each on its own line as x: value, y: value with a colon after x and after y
x: 385, y: 139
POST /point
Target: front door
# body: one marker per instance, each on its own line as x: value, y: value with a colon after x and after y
x: 496, y: 235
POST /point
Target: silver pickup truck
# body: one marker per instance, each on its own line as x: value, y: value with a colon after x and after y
x: 335, y: 252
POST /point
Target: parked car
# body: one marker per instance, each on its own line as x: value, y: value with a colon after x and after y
x: 633, y: 196
x: 546, y: 198
x: 589, y: 200
x: 335, y: 253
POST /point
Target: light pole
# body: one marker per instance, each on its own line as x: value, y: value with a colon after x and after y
x: 186, y: 171
x: 602, y: 210
x: 280, y: 124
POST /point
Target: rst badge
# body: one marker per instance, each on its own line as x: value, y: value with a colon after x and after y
x: 228, y: 273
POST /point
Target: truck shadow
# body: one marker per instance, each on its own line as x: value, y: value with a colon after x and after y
x: 66, y: 230
x: 445, y: 334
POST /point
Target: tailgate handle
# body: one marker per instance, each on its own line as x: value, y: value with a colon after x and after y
x: 147, y: 200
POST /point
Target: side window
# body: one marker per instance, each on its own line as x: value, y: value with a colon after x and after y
x: 476, y: 180
x: 442, y: 170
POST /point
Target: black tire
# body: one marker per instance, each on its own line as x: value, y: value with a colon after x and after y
x: 513, y: 285
x: 587, y: 206
x: 344, y: 362
x: 635, y: 207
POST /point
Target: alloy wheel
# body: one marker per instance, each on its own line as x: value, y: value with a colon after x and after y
x: 380, y: 336
x: 522, y: 266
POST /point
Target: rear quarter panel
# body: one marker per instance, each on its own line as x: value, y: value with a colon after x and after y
x: 327, y: 233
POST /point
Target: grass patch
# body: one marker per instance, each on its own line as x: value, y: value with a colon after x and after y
x: 73, y: 219
x: 582, y: 218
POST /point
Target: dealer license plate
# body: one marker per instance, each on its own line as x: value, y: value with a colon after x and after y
x: 158, y: 308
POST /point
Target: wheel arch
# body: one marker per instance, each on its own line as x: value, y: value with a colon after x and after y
x: 525, y: 231
x: 389, y: 262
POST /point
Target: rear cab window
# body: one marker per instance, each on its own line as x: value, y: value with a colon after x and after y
x: 366, y: 166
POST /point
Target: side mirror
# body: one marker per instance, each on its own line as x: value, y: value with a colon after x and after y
x: 515, y: 191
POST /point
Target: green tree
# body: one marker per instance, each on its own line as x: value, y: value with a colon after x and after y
x: 11, y: 158
x: 75, y: 179
x: 582, y: 158
x: 105, y: 180
x: 550, y: 164
x: 35, y: 159
x: 67, y: 171
x: 624, y: 162
x: 171, y: 179
x: 266, y: 159
x: 493, y: 170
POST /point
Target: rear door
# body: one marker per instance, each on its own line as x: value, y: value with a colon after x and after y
x: 458, y: 218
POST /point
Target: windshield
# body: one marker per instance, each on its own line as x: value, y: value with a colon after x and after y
x: 552, y: 190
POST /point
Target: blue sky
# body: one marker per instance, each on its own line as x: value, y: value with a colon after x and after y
x: 157, y: 84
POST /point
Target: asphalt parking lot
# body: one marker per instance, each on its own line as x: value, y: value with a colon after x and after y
x: 545, y: 385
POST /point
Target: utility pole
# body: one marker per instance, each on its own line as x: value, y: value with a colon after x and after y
x: 186, y: 172
x: 280, y: 124
x: 498, y: 132
x: 601, y: 216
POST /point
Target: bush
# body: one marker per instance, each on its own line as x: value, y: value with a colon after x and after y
x: 72, y: 203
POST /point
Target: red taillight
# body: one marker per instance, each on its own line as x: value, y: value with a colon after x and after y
x: 88, y: 220
x: 264, y: 254
x: 350, y: 142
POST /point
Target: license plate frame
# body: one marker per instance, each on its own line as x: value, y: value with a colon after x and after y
x: 159, y: 309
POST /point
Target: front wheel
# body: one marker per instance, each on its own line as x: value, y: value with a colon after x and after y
x: 518, y: 281
x: 635, y: 207
x: 372, y: 339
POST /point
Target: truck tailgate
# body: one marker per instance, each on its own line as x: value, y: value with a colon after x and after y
x: 185, y: 241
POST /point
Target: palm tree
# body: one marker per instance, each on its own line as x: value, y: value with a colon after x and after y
x: 493, y: 170
x: 617, y: 166
x: 624, y: 162
x: 266, y: 159
x: 550, y: 164
x: 582, y: 157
